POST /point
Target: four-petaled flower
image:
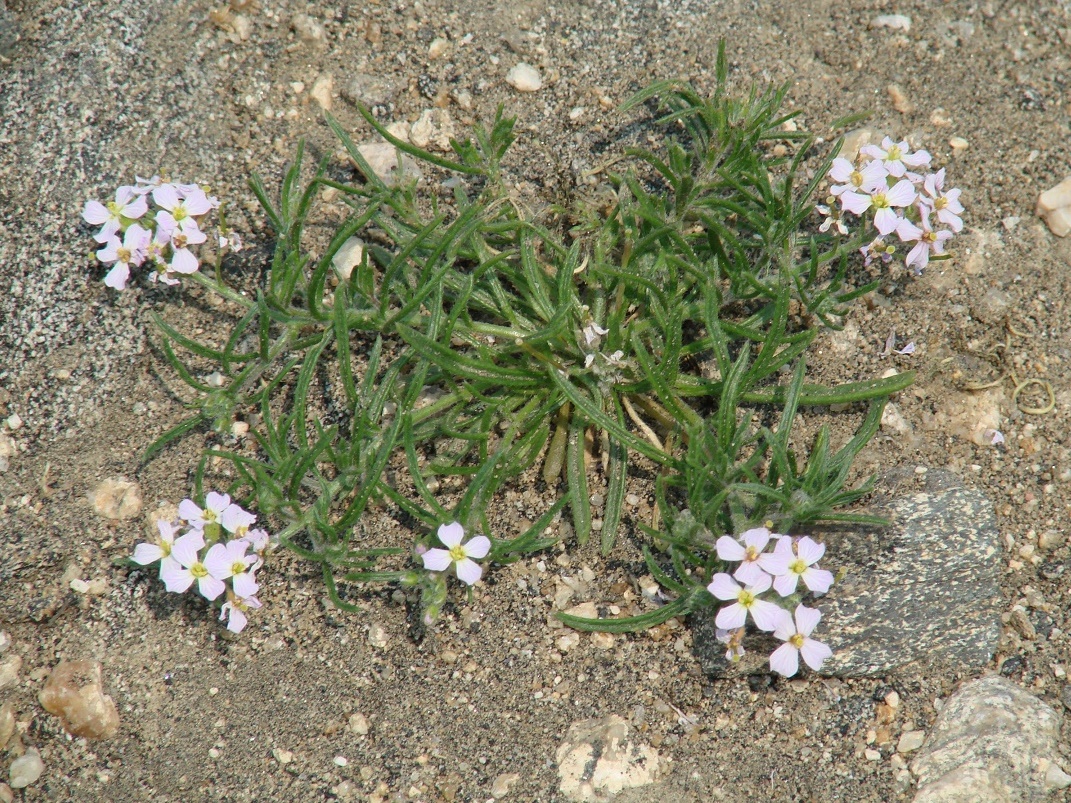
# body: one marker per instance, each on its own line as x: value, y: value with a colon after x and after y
x: 928, y: 242
x: 749, y: 553
x: 884, y: 200
x: 130, y: 252
x: 458, y: 553
x: 128, y: 205
x: 146, y: 553
x: 799, y: 558
x: 180, y: 212
x: 229, y: 561
x: 945, y: 205
x: 785, y: 660
x: 233, y: 611
x: 180, y: 574
x: 896, y: 157
x: 211, y: 514
x: 767, y: 615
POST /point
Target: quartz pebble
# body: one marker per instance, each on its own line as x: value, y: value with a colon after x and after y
x: 348, y: 257
x: 897, y: 22
x: 1054, y: 207
x: 116, y: 498
x: 322, y: 90
x: 26, y: 769
x: 524, y: 78
x: 359, y: 724
x: 500, y: 788
x: 910, y: 740
x: 74, y: 693
x: 7, y: 723
x: 9, y: 672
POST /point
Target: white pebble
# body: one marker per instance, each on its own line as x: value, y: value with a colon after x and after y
x: 898, y: 22
x: 524, y: 78
x: 26, y: 769
x: 341, y: 761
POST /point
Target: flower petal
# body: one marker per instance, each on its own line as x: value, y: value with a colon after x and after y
x: 218, y: 562
x: 806, y: 619
x: 210, y: 587
x: 147, y: 553
x: 810, y: 550
x: 468, y: 571
x: 118, y: 276
x: 436, y: 560
x: 722, y: 586
x: 245, y: 585
x: 731, y: 616
x: 749, y: 573
x: 818, y: 580
x: 814, y: 653
x: 176, y: 578
x: 785, y: 660
x: 757, y: 537
x: 451, y: 534
x: 785, y: 584
x: 478, y: 547
x: 730, y: 549
x: 768, y: 615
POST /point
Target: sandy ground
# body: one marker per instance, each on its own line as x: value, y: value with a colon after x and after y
x: 96, y: 92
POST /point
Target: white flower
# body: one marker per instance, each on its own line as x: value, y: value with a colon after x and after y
x: 179, y: 212
x: 229, y: 562
x: 212, y: 513
x: 786, y: 658
x: 896, y: 156
x: 945, y: 205
x: 733, y: 640
x: 800, y: 557
x: 187, y: 567
x: 749, y: 553
x: 146, y: 553
x: 125, y: 255
x: 234, y: 609
x: 927, y: 241
x: 884, y: 202
x: 128, y: 205
x: 872, y: 174
x: 458, y: 553
x: 767, y: 615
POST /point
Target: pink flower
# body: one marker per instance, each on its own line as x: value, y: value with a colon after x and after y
x: 870, y: 175
x: 884, y: 202
x: 801, y: 556
x: 732, y: 639
x: 767, y: 615
x: 125, y: 255
x: 945, y: 205
x: 229, y: 562
x: 128, y: 205
x: 187, y: 567
x: 749, y: 553
x: 212, y: 512
x: 146, y: 553
x: 927, y: 241
x: 179, y: 212
x: 234, y: 609
x: 896, y: 157
x: 786, y: 658
x: 458, y: 553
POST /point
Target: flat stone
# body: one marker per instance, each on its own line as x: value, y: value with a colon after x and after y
x: 992, y: 741
x: 923, y: 591
x: 597, y: 760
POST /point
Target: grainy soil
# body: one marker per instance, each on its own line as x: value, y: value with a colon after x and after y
x: 94, y: 92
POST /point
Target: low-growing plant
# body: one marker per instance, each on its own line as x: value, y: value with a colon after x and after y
x: 665, y: 322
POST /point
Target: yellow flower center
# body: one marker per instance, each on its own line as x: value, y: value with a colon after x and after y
x: 856, y: 178
x: 798, y: 566
x: 238, y: 567
x: 179, y: 213
x: 879, y: 201
x: 198, y: 570
x: 751, y: 554
x: 123, y: 254
x: 940, y: 203
x: 165, y: 547
x: 929, y: 237
x: 114, y: 208
x: 746, y: 598
x: 457, y: 553
x: 796, y: 641
x: 895, y: 154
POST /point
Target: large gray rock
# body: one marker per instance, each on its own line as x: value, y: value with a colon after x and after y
x: 924, y: 590
x: 992, y: 742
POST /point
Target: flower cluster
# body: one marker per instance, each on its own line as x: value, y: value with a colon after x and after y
x: 130, y: 236
x: 914, y: 206
x: 791, y: 561
x: 211, y: 546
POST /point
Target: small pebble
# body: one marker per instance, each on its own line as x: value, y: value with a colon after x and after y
x: 897, y: 22
x: 214, y: 753
x: 872, y: 755
x: 341, y: 761
x: 377, y: 636
x: 501, y: 786
x: 899, y: 99
x: 322, y: 89
x: 26, y: 769
x: 958, y: 144
x: 284, y: 757
x: 910, y: 741
x: 438, y: 47
x: 524, y: 78
x: 359, y: 724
